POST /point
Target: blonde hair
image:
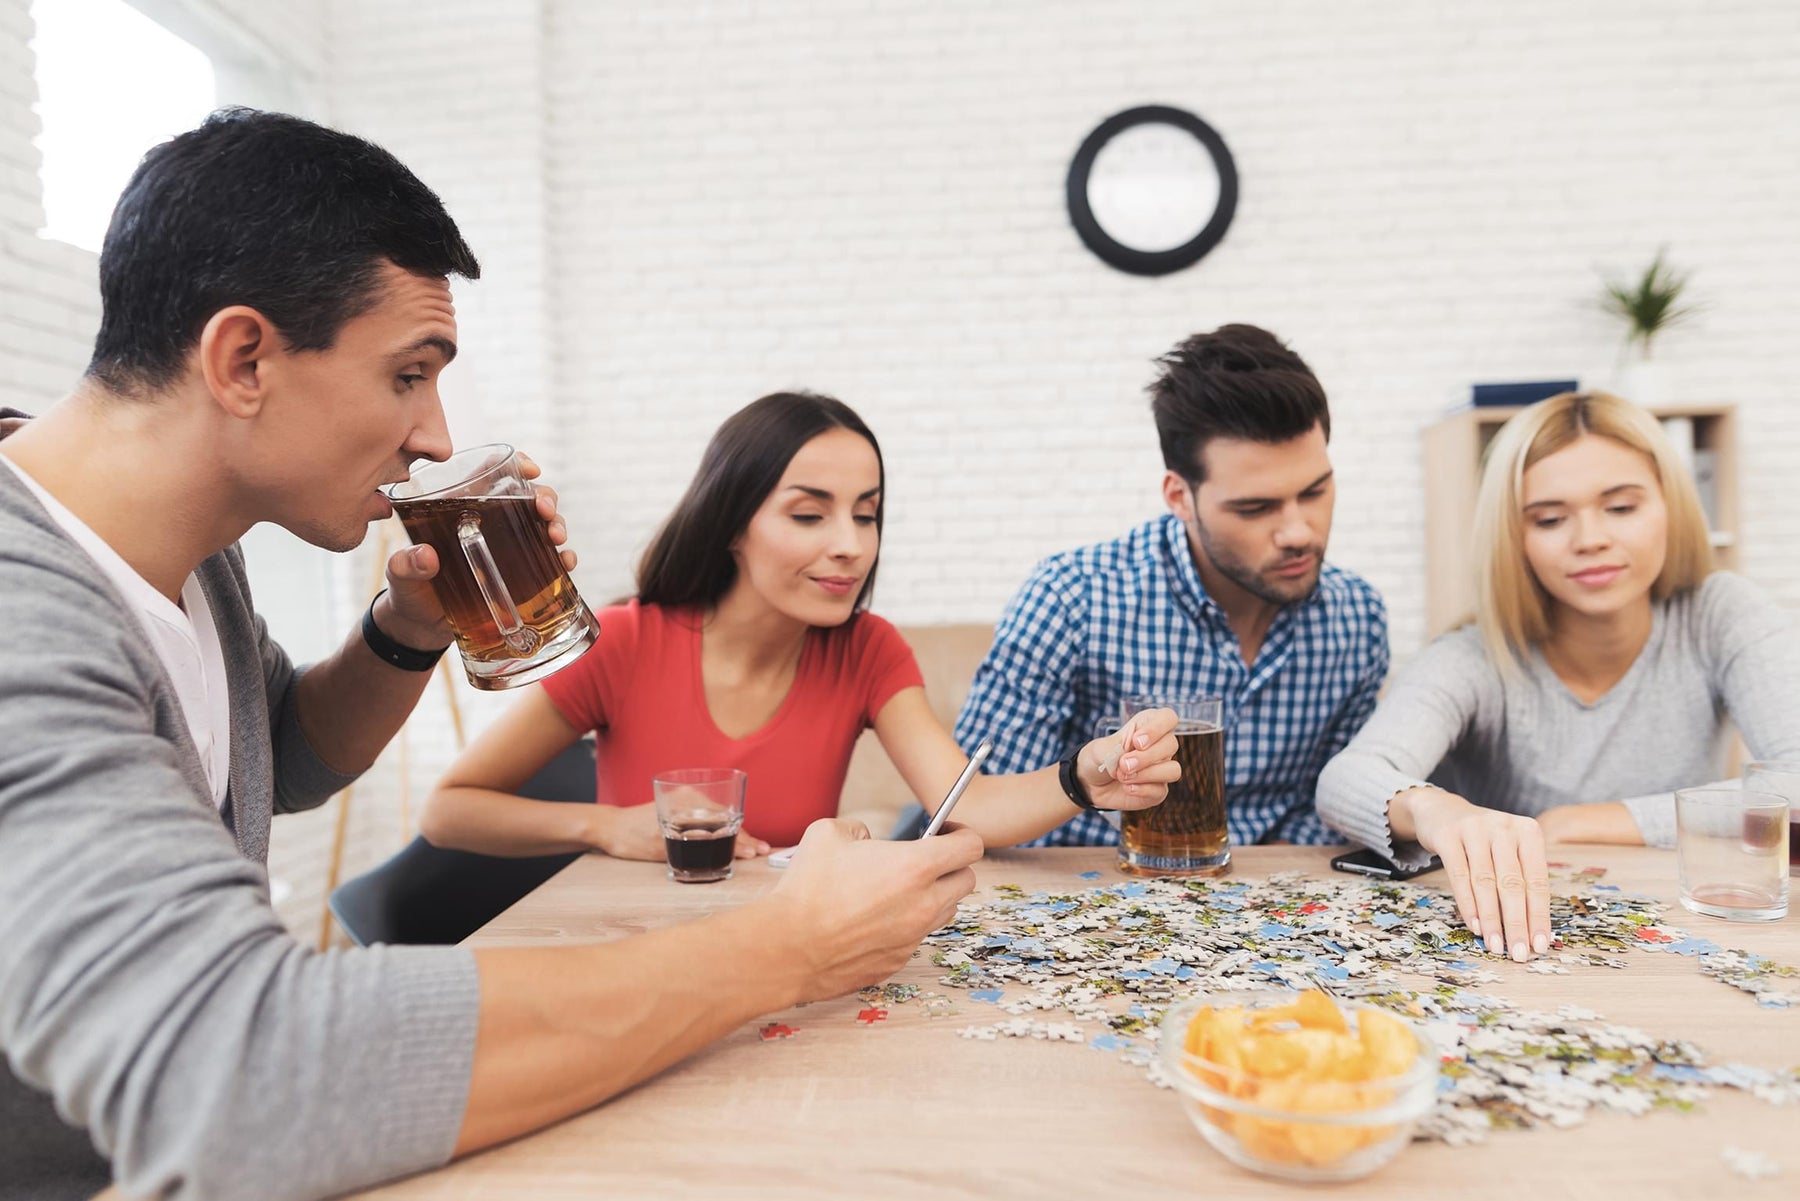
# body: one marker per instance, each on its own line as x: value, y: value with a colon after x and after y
x: 1511, y: 607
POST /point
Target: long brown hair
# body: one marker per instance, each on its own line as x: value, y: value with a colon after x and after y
x: 689, y: 563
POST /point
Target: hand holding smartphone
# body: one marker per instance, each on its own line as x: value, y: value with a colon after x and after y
x: 785, y: 856
x: 957, y: 789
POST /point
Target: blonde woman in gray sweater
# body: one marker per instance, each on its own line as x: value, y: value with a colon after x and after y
x: 1605, y: 662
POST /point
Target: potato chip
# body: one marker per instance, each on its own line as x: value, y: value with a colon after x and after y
x: 1267, y: 1139
x: 1273, y: 1056
x: 1312, y: 1010
x: 1321, y: 1145
x: 1388, y: 1042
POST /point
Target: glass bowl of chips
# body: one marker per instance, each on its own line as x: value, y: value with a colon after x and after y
x: 1297, y: 1085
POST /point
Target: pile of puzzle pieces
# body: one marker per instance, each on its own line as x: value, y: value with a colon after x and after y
x: 1100, y: 965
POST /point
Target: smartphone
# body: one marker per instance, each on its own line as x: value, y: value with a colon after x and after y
x: 1367, y: 863
x: 956, y: 790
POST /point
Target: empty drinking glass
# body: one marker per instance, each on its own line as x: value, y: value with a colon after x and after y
x: 1732, y: 849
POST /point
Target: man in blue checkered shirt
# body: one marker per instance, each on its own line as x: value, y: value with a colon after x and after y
x: 1227, y: 595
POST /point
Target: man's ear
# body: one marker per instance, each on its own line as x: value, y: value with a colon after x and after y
x: 1178, y: 496
x: 234, y: 350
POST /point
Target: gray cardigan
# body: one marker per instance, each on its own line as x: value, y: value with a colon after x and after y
x: 1524, y: 743
x: 147, y: 990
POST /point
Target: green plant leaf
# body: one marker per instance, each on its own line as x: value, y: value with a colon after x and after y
x: 1649, y: 304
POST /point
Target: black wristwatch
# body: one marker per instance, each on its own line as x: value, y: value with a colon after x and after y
x: 391, y: 652
x: 1072, y: 786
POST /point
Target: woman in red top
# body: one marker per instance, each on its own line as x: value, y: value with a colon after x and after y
x: 747, y: 646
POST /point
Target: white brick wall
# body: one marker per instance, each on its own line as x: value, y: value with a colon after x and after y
x: 463, y: 106
x: 48, y: 306
x: 867, y: 199
x: 683, y: 205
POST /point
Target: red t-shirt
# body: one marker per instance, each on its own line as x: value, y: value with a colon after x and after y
x: 639, y: 686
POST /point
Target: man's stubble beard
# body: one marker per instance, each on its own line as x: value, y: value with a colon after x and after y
x: 1252, y: 581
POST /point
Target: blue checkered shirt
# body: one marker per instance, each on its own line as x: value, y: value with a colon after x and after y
x: 1094, y: 625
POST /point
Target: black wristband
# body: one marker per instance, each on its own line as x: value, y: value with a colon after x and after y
x: 1073, y: 787
x: 391, y: 652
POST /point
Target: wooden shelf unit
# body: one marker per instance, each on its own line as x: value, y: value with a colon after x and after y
x: 1455, y: 449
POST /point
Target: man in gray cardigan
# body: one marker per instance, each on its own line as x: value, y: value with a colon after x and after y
x: 276, y: 313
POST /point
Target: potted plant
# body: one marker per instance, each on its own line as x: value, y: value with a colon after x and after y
x: 1649, y: 304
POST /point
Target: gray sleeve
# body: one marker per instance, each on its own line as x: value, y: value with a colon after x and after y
x: 302, y: 780
x: 1434, y: 700
x: 1752, y: 656
x: 1654, y: 813
x: 1357, y: 708
x: 145, y: 983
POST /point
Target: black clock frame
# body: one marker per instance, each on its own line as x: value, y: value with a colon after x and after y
x: 1151, y: 262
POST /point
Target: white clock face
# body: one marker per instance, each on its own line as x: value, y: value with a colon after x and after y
x: 1153, y: 187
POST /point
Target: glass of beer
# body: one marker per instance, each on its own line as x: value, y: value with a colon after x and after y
x: 1186, y: 834
x: 512, y: 606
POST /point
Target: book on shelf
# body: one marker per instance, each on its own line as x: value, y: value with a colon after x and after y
x: 1494, y: 396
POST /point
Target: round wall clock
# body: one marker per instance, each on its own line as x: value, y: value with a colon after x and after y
x: 1152, y: 190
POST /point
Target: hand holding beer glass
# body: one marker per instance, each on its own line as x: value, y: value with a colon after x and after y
x: 1186, y: 834
x: 509, y: 600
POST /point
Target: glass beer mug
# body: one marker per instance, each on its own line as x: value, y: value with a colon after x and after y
x: 514, y: 610
x: 1186, y: 834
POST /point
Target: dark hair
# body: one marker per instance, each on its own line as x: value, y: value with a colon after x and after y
x: 1237, y: 382
x: 265, y: 210
x: 689, y: 563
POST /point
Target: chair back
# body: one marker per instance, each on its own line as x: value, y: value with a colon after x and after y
x: 435, y: 895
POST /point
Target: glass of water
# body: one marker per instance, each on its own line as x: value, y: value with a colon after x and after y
x: 1732, y: 848
x: 1782, y: 779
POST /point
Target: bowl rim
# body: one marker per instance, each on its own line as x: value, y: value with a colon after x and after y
x: 1415, y: 1093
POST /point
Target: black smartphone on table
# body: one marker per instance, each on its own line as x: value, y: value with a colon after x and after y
x: 1365, y: 862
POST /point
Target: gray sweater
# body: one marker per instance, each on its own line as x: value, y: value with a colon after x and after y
x: 147, y: 990
x: 1524, y: 743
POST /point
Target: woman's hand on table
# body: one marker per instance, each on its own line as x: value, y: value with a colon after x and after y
x: 1496, y: 864
x: 1133, y: 768
x: 632, y: 832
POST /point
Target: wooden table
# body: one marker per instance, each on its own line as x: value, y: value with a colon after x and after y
x: 906, y: 1108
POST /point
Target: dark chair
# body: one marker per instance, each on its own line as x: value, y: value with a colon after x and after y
x: 428, y: 894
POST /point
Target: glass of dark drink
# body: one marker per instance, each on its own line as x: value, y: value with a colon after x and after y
x: 1186, y: 834
x: 514, y: 610
x: 1782, y: 779
x: 700, y: 810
